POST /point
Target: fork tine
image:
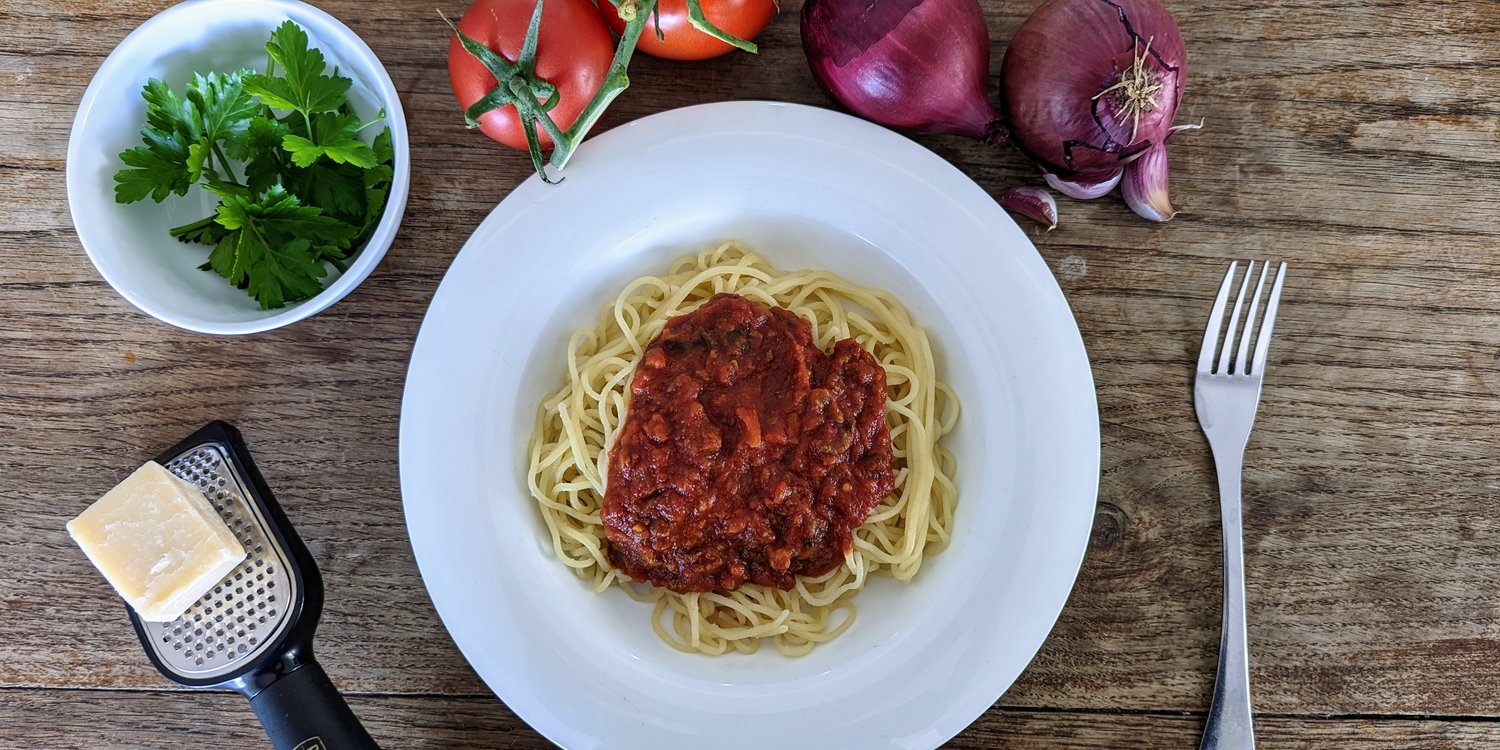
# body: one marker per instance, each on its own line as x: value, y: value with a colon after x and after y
x: 1215, y: 322
x: 1234, y: 320
x: 1242, y: 357
x: 1263, y: 344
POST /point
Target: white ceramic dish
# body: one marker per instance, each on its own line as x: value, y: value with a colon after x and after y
x: 808, y: 188
x: 129, y: 244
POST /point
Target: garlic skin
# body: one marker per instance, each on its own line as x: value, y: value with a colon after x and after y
x: 1145, y: 185
x: 1084, y: 190
x: 1034, y: 203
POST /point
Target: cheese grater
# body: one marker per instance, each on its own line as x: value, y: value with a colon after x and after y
x: 253, y: 632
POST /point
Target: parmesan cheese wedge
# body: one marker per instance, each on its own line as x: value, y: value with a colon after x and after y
x: 158, y: 541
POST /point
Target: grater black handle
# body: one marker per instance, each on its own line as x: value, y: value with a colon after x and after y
x: 304, y: 711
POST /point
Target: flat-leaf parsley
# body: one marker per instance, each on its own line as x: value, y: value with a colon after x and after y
x: 298, y: 191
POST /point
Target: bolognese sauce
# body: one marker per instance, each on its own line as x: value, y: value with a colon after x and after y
x: 747, y: 455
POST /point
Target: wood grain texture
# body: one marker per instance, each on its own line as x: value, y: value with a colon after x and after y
x: 146, y: 720
x: 1355, y: 139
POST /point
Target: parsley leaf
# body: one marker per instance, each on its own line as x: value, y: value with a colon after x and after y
x: 338, y: 188
x: 221, y: 259
x: 378, y: 181
x: 160, y: 168
x: 285, y: 271
x: 281, y: 212
x: 197, y: 157
x: 270, y: 246
x: 337, y: 137
x: 167, y: 114
x: 301, y: 86
x: 223, y: 109
x: 263, y: 140
x: 265, y: 133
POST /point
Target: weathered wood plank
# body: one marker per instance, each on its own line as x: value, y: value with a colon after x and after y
x: 132, y: 720
x: 1356, y: 140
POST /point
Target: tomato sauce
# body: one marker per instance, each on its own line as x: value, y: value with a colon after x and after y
x: 747, y: 455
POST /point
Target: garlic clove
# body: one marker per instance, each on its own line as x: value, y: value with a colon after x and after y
x: 1034, y: 203
x: 1083, y: 189
x: 1145, y: 185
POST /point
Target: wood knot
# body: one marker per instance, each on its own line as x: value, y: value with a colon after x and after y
x: 1110, y: 522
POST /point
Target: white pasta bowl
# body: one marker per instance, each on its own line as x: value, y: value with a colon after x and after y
x: 808, y: 189
x: 130, y: 244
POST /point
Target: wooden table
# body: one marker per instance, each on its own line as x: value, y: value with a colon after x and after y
x: 1356, y: 140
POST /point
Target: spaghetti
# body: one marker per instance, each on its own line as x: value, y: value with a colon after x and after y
x: 576, y: 426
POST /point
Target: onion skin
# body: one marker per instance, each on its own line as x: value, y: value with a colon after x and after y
x: 1032, y: 202
x: 916, y: 65
x: 1064, y: 55
x: 1085, y: 189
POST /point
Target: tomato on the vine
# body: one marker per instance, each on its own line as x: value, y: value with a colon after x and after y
x: 573, y: 52
x: 680, y: 41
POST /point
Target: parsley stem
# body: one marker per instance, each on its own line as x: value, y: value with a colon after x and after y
x: 229, y: 177
x: 379, y: 116
x: 193, y: 228
x: 224, y: 162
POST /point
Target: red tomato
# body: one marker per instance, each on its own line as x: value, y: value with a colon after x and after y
x: 680, y: 41
x: 573, y: 52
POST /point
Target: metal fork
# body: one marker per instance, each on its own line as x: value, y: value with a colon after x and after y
x: 1225, y: 394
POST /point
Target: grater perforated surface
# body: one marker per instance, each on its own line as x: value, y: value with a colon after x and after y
x: 247, y: 610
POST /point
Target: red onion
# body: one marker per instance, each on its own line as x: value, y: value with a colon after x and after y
x: 916, y: 65
x: 1089, y: 86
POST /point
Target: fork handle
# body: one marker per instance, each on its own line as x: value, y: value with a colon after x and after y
x: 1229, y: 725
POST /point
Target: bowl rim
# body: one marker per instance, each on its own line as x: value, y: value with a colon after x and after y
x: 352, y: 48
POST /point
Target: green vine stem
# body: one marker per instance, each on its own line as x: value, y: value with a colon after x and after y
x: 517, y: 84
x: 700, y: 22
x: 616, y: 80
